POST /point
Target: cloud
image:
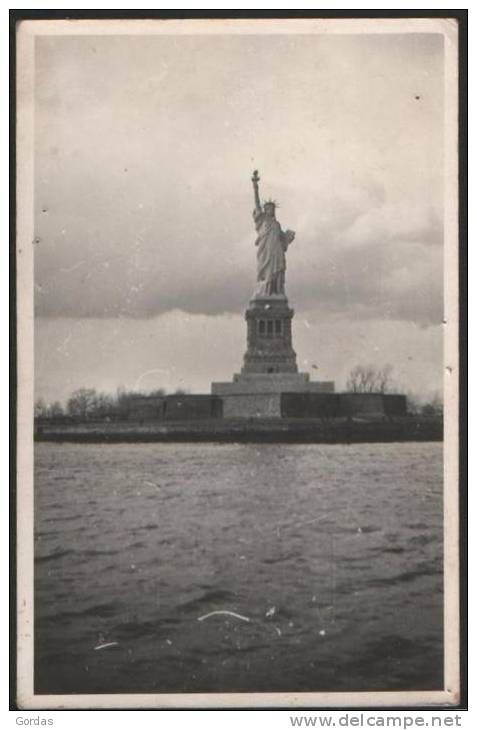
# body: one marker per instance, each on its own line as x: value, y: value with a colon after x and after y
x: 386, y: 261
x: 178, y: 350
x: 144, y: 149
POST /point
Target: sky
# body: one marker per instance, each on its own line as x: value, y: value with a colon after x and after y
x: 144, y: 255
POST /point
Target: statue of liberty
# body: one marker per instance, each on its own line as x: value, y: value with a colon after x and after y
x: 272, y: 244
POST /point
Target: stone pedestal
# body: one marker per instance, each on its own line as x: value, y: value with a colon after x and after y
x: 269, y: 367
x: 269, y: 337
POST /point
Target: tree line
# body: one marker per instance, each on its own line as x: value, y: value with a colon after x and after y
x: 88, y: 403
x: 369, y: 379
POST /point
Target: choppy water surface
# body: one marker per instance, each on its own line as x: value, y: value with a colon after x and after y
x: 333, y: 553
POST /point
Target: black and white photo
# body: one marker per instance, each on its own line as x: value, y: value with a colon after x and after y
x: 237, y: 322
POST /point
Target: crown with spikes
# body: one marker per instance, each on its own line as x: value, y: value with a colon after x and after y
x: 271, y: 202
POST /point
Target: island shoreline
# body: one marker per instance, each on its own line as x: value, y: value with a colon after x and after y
x: 246, y: 431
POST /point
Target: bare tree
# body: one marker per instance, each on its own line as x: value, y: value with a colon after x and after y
x: 105, y: 406
x: 55, y: 409
x: 41, y: 409
x: 383, y: 379
x: 360, y: 378
x: 157, y: 392
x: 367, y: 379
x: 82, y: 402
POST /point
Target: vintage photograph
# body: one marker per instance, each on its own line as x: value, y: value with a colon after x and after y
x: 238, y: 332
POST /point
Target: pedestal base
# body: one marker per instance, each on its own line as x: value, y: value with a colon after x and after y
x: 269, y: 368
x: 249, y: 383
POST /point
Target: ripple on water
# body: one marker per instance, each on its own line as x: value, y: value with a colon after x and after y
x: 333, y: 539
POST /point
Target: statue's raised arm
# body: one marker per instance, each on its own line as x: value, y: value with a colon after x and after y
x: 255, y: 181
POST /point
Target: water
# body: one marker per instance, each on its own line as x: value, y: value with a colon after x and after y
x: 333, y: 553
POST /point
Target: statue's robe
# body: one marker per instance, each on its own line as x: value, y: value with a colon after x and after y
x: 271, y: 246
